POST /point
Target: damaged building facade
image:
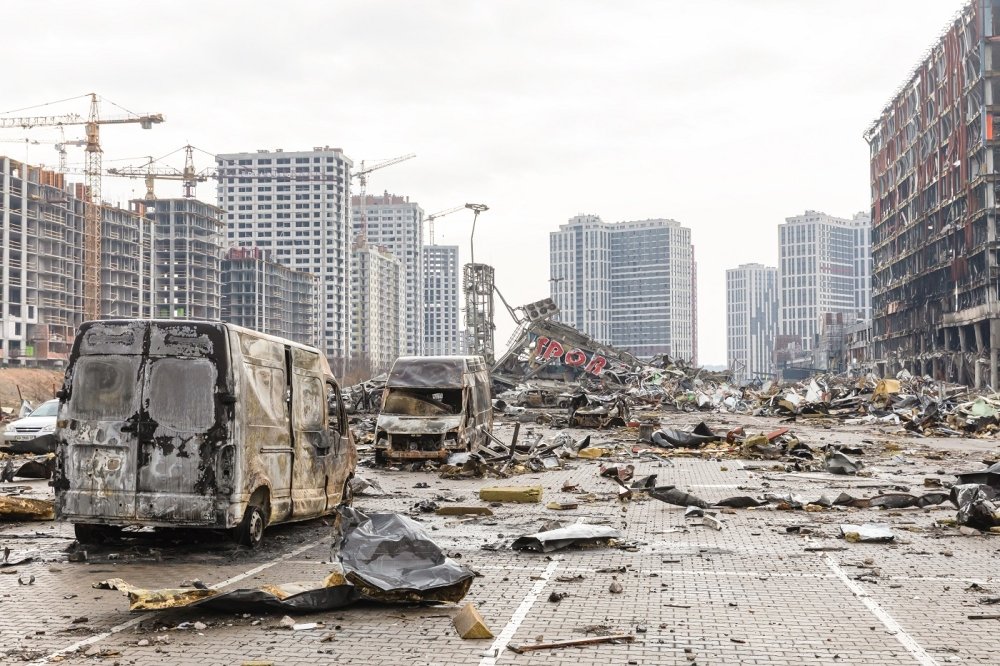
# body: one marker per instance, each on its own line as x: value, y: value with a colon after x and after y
x: 627, y: 284
x: 934, y: 152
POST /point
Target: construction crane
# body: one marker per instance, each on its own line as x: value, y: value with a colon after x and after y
x: 362, y: 176
x: 92, y: 169
x: 433, y: 216
x: 151, y: 174
x: 60, y: 146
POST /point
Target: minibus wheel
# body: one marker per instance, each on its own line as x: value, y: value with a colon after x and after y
x: 250, y: 532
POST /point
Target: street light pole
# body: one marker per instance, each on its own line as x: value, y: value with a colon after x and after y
x: 474, y: 288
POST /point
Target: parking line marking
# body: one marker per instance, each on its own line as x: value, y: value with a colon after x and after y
x: 887, y: 620
x: 517, y: 618
x: 128, y: 624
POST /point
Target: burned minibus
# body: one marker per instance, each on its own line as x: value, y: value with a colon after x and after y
x: 197, y: 424
x: 433, y: 406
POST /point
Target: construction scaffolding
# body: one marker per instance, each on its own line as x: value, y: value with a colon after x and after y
x: 477, y: 283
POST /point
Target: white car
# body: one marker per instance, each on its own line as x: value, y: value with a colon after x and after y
x: 35, y: 433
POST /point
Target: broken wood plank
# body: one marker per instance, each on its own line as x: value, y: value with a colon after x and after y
x: 448, y: 510
x: 521, y: 649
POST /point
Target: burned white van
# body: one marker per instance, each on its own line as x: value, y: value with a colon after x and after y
x: 433, y: 406
x: 197, y: 424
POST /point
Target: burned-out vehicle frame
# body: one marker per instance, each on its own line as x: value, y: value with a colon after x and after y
x: 434, y: 406
x: 197, y: 424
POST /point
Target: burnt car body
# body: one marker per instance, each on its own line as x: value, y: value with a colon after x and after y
x: 197, y: 424
x: 433, y: 406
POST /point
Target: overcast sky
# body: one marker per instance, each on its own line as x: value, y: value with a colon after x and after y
x: 726, y: 115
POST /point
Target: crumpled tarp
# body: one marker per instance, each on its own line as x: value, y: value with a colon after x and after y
x: 383, y: 557
x: 39, y: 467
x: 578, y: 534
x: 976, y: 505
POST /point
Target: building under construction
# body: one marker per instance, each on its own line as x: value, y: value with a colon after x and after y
x: 42, y: 262
x: 127, y: 266
x: 934, y: 165
x: 188, y: 255
x: 263, y: 295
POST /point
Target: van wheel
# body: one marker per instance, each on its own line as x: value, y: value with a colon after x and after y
x: 95, y: 534
x: 250, y: 532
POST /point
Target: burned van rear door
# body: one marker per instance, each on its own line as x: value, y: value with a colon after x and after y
x: 100, y: 434
x: 179, y: 431
x: 314, y: 451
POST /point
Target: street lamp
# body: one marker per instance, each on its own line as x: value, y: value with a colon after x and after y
x: 474, y: 289
x: 476, y: 210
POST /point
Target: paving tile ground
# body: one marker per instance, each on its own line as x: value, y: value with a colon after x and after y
x: 750, y: 593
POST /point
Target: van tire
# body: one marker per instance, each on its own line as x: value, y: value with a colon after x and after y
x: 250, y: 531
x: 94, y: 534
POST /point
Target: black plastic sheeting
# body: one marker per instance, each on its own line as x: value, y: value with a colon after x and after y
x: 384, y: 557
x: 33, y: 468
x: 669, y: 438
x: 976, y: 505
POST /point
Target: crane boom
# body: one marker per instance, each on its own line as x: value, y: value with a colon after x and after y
x: 362, y: 176
x: 93, y: 172
x: 441, y: 213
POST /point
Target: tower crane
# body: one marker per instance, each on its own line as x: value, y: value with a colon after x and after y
x: 60, y: 146
x: 92, y: 169
x: 433, y: 216
x: 362, y: 176
x: 151, y: 173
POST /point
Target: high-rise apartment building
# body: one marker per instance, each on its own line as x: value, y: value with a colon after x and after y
x: 296, y: 206
x: 263, y: 295
x: 188, y: 237
x: 751, y: 321
x: 934, y: 151
x: 376, y: 284
x: 824, y: 267
x: 396, y: 223
x: 442, y: 333
x: 628, y: 284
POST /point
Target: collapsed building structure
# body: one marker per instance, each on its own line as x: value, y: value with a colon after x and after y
x: 934, y: 152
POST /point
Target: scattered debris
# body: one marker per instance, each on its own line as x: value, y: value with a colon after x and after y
x: 578, y: 642
x: 383, y: 557
x: 577, y: 534
x: 25, y: 508
x: 470, y: 624
x: 867, y: 533
x: 520, y: 494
